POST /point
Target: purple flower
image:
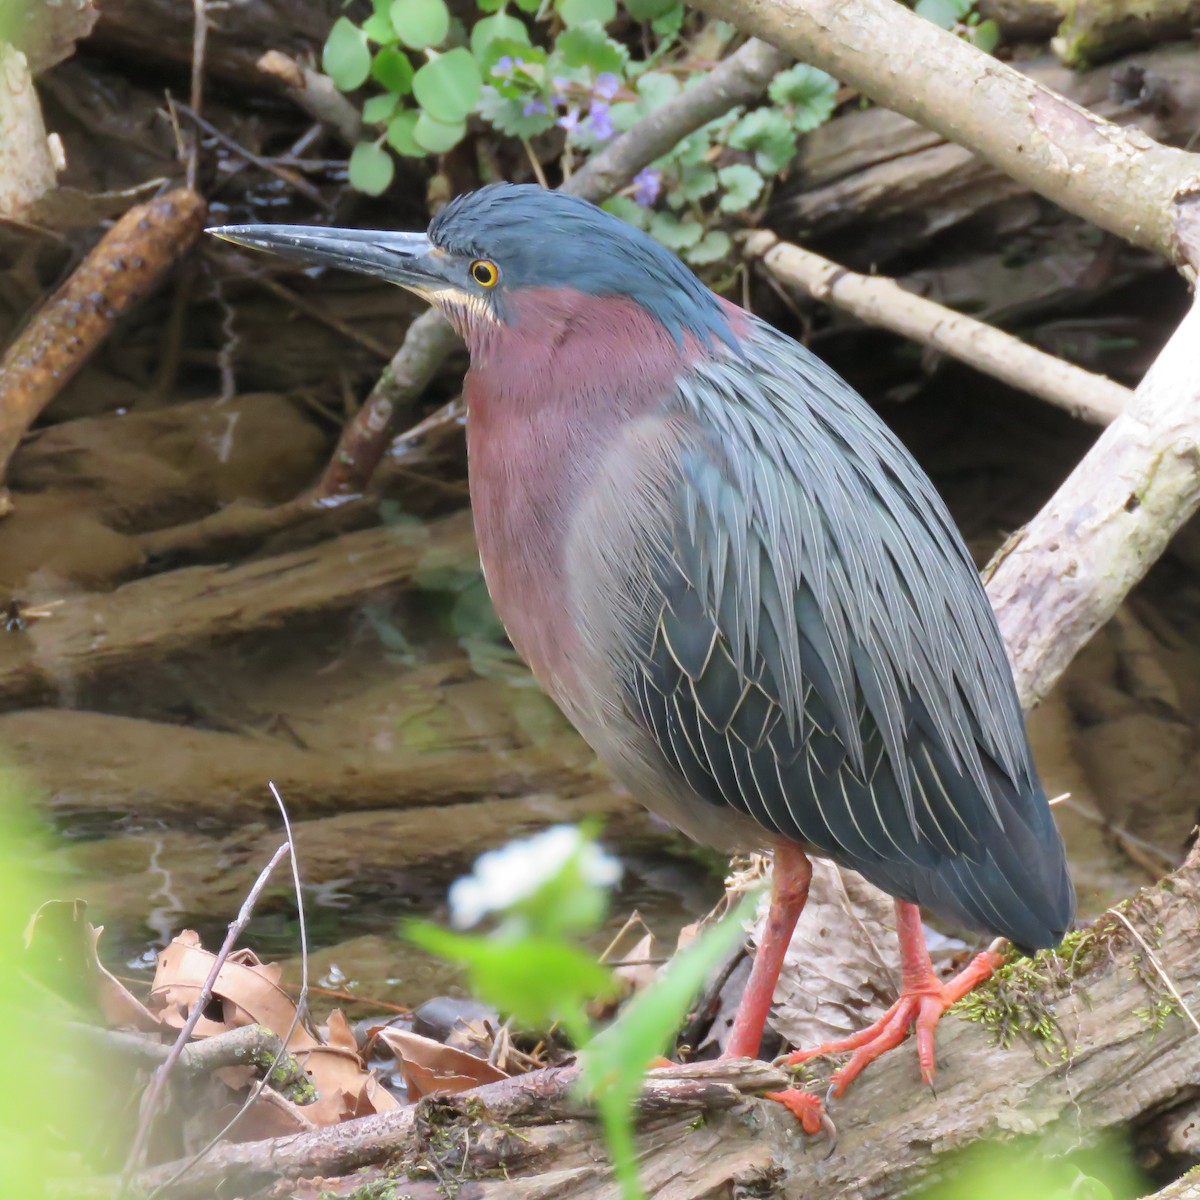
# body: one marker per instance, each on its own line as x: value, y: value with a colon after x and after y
x: 607, y: 85
x: 504, y: 64
x: 600, y: 121
x: 569, y: 120
x: 535, y: 107
x: 561, y: 86
x: 646, y: 186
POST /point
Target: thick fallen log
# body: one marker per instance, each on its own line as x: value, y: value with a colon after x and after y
x: 185, y: 610
x: 1064, y: 1047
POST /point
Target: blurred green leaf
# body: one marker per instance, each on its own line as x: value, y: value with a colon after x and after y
x: 656, y: 88
x: 346, y: 58
x: 648, y: 10
x: 371, y: 168
x: 697, y: 181
x: 401, y: 136
x: 488, y: 29
x: 507, y: 115
x: 670, y: 23
x: 589, y: 46
x: 810, y: 91
x: 392, y: 69
x: 674, y: 233
x: 769, y: 134
x: 379, y: 109
x: 580, y: 12
x: 529, y: 6
x: 379, y: 29
x: 447, y: 87
x: 943, y: 12
x: 436, y: 136
x: 535, y: 979
x: 711, y: 248
x: 986, y: 36
x: 628, y: 210
x: 420, y: 23
x: 743, y: 185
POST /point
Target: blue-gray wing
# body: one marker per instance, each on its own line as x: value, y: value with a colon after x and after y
x: 824, y: 658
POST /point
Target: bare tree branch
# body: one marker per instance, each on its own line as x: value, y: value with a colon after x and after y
x: 881, y: 301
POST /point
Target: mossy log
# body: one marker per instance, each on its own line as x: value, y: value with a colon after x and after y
x: 1065, y: 1047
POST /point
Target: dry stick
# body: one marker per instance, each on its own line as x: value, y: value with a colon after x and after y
x: 1120, y: 179
x: 315, y: 93
x: 881, y: 301
x: 289, y: 847
x: 199, y: 41
x: 121, y: 269
x: 151, y: 1099
x: 430, y: 340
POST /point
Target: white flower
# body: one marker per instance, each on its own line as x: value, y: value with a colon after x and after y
x: 505, y: 877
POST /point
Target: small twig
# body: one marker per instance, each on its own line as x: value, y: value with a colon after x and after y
x: 883, y: 302
x: 345, y: 328
x: 153, y: 1095
x: 289, y: 847
x: 1159, y: 969
x: 535, y: 163
x: 315, y: 93
x: 199, y: 41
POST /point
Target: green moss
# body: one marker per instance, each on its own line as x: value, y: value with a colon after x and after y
x: 1011, y: 1004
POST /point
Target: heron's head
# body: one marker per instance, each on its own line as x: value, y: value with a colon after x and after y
x: 491, y: 257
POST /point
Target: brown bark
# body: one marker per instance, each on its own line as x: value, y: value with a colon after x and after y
x: 1109, y: 1068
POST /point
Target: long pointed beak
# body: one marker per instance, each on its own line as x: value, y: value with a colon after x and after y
x: 407, y: 259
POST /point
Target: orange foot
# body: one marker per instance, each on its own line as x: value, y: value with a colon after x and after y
x: 922, y: 1002
x: 806, y: 1108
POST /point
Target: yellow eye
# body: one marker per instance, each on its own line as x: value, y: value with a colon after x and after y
x: 484, y: 273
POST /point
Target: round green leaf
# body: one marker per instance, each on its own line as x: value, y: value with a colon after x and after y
x: 447, y: 87
x: 674, y: 233
x: 378, y: 28
x: 743, y: 185
x: 670, y: 23
x: 379, y: 109
x: 712, y: 247
x: 371, y: 168
x: 501, y: 25
x: 400, y: 134
x: 436, y: 137
x: 628, y: 210
x: 587, y: 46
x: 392, y: 69
x: 346, y: 58
x: 648, y: 10
x: 420, y: 23
x: 579, y: 12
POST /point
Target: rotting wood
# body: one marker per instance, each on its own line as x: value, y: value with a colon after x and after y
x: 127, y: 263
x: 881, y: 301
x: 1109, y: 1068
x: 186, y: 609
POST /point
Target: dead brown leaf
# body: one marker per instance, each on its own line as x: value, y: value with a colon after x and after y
x: 432, y: 1069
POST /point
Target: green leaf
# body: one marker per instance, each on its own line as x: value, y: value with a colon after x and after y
x: 697, y: 182
x: 711, y: 248
x: 507, y: 115
x: 809, y: 91
x: 743, y: 185
x: 648, y: 10
x: 438, y: 136
x: 420, y: 23
x: 768, y: 133
x: 674, y: 233
x: 379, y: 29
x: 985, y: 36
x: 943, y: 12
x: 625, y: 114
x: 580, y: 12
x: 615, y: 1060
x: 379, y: 109
x: 400, y: 135
x: 588, y: 46
x: 529, y: 6
x: 371, y: 168
x: 346, y: 58
x: 488, y: 29
x: 670, y: 23
x: 536, y: 980
x: 656, y: 88
x: 628, y: 210
x: 447, y: 87
x: 392, y: 69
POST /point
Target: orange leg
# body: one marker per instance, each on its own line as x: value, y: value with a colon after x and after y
x: 923, y: 999
x: 789, y: 890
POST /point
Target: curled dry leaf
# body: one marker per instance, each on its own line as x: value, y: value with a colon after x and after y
x: 60, y: 935
x: 431, y: 1069
x: 842, y: 969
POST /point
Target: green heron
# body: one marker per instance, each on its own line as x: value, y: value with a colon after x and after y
x: 734, y: 580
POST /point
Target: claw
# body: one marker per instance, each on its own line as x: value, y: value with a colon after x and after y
x: 807, y: 1109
